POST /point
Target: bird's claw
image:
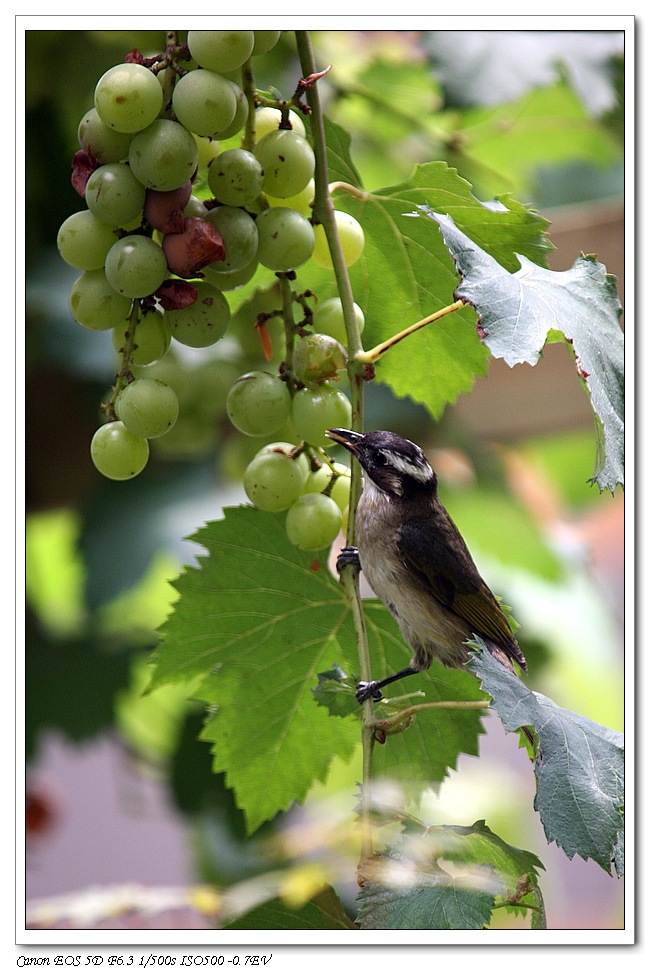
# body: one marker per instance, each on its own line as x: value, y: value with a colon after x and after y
x: 366, y: 689
x: 347, y: 556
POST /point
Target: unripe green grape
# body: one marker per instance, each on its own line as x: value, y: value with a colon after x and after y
x: 235, y: 177
x: 102, y: 143
x: 316, y: 410
x: 202, y: 323
x: 328, y: 318
x: 264, y: 41
x: 241, y: 113
x: 208, y: 150
x: 84, y: 241
x: 268, y: 119
x: 286, y: 238
x: 164, y: 155
x: 273, y: 481
x: 317, y: 357
x: 135, y: 266
x: 336, y: 483
x: 152, y: 338
x: 195, y: 208
x: 313, y: 522
x: 221, y: 50
x: 287, y: 160
x: 117, y: 453
x: 302, y: 202
x: 114, y: 195
x: 147, y: 407
x: 239, y: 234
x: 95, y: 304
x: 351, y: 237
x: 258, y: 404
x: 128, y: 97
x: 204, y: 102
x: 230, y: 280
x: 288, y: 448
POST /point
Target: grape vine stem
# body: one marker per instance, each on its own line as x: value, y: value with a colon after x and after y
x: 323, y: 213
x: 372, y: 355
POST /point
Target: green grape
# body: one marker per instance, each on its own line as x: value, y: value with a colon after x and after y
x: 302, y: 202
x: 268, y: 119
x: 316, y: 410
x: 202, y: 323
x: 208, y: 149
x: 195, y: 208
x: 136, y: 266
x: 128, y: 97
x: 287, y: 160
x: 239, y: 234
x: 286, y: 238
x: 337, y: 484
x: 328, y: 318
x: 235, y: 177
x: 101, y: 142
x: 313, y: 522
x: 351, y: 236
x: 220, y: 50
x: 114, y: 195
x: 286, y: 447
x: 164, y: 155
x: 152, y: 338
x: 264, y: 41
x: 117, y: 453
x: 204, y: 102
x: 273, y: 480
x: 317, y: 357
x: 147, y: 407
x: 258, y: 404
x: 230, y: 280
x: 95, y: 305
x: 241, y: 113
x: 84, y: 241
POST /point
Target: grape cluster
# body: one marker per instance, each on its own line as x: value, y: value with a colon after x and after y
x: 173, y: 222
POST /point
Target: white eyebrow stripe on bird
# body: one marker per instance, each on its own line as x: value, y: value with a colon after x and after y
x: 419, y: 471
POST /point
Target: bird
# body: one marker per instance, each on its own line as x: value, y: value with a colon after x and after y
x: 417, y: 562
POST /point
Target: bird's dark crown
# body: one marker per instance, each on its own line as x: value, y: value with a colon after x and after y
x: 396, y: 465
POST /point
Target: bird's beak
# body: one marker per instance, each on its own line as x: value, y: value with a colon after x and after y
x: 347, y: 438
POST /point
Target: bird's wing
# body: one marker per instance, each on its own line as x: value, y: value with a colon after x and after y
x: 448, y: 570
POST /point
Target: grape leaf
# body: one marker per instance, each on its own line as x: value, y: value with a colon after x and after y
x: 257, y: 621
x: 410, y: 885
x: 262, y: 619
x: 518, y: 311
x: 339, y: 161
x: 578, y: 766
x: 405, y: 275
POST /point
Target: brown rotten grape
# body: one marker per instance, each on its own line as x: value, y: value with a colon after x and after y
x: 198, y: 245
x: 164, y: 209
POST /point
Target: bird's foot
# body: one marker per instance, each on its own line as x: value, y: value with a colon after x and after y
x: 348, y: 556
x: 368, y: 688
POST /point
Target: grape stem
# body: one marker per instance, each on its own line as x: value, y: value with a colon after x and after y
x: 124, y: 375
x: 372, y: 355
x: 323, y: 213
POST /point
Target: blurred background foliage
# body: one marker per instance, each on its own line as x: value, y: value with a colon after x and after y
x: 534, y: 115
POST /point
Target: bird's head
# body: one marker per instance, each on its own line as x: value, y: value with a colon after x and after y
x: 395, y: 465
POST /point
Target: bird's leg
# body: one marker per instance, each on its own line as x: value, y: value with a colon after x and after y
x: 372, y: 688
x: 348, y: 556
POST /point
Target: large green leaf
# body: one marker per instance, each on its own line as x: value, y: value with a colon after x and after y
x: 405, y: 275
x: 517, y: 311
x: 258, y: 621
x: 579, y: 766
